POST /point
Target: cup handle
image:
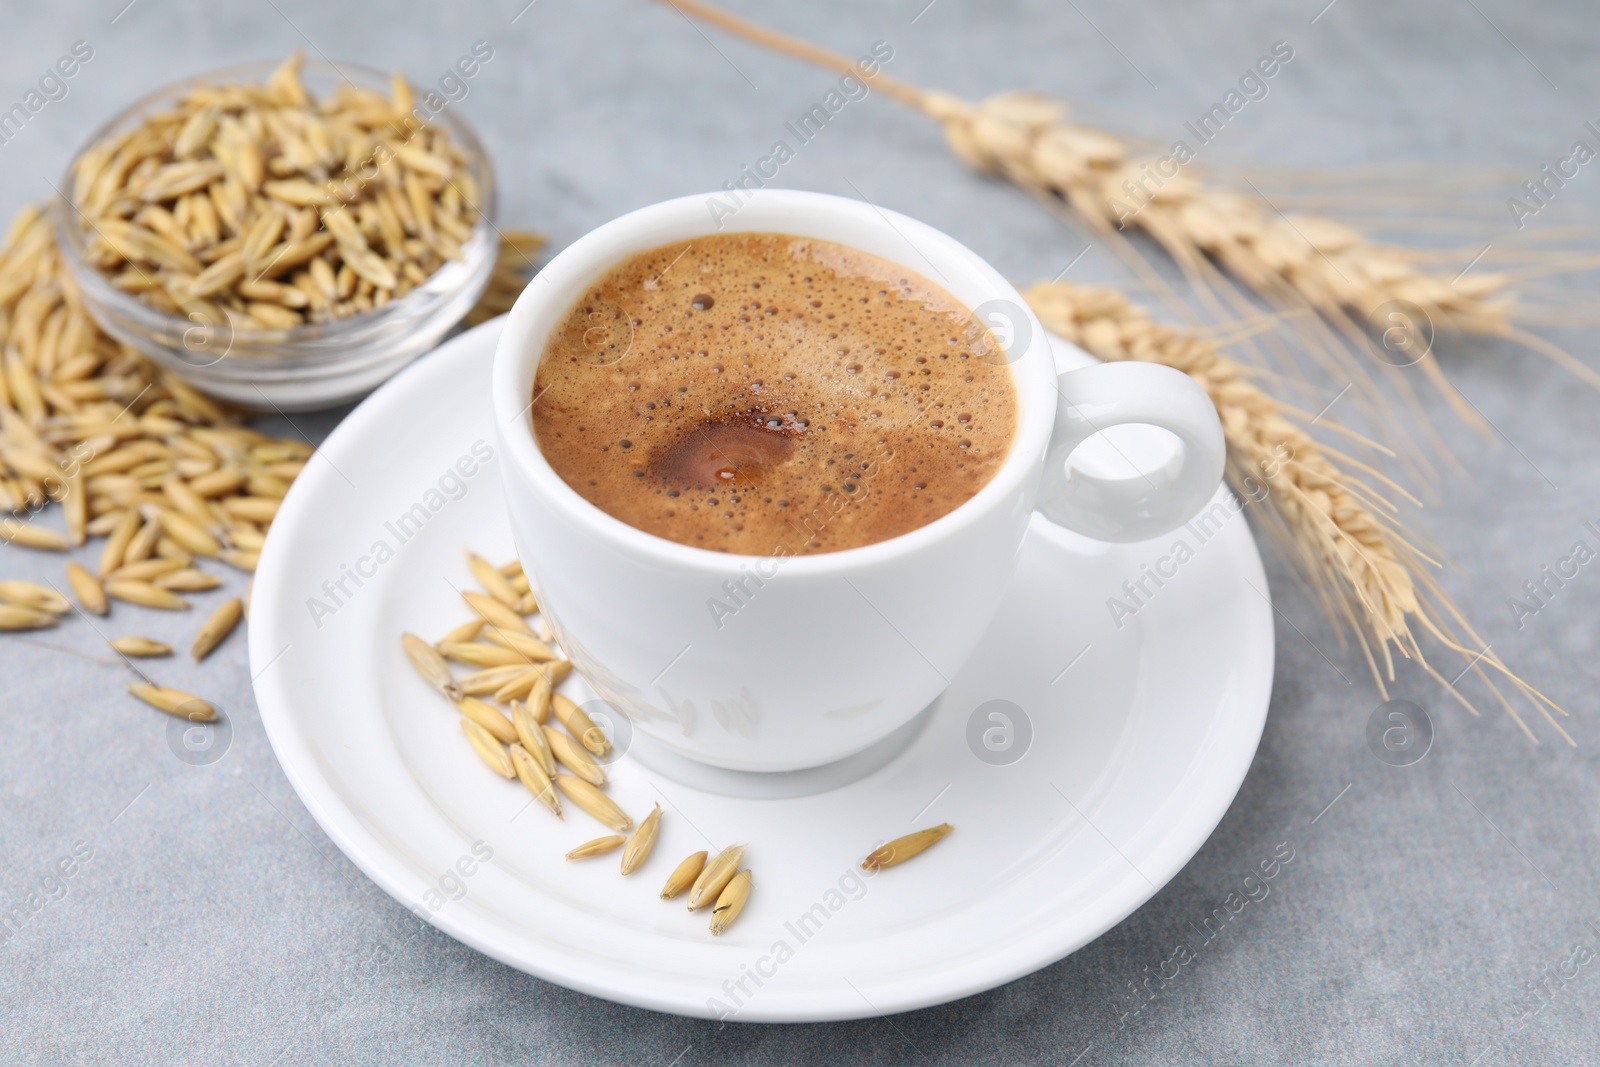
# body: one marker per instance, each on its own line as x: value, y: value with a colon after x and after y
x: 1131, y: 509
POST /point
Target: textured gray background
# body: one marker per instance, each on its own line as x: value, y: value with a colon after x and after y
x: 216, y: 924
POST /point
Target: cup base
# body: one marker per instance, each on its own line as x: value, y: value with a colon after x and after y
x: 777, y: 785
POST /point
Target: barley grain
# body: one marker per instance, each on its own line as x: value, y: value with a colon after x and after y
x: 730, y: 902
x: 683, y: 875
x: 86, y: 587
x: 538, y: 696
x: 597, y: 847
x: 526, y: 645
x: 467, y: 631
x: 217, y: 628
x: 531, y: 736
x: 146, y: 570
x: 535, y: 778
x: 579, y: 725
x: 14, y: 618
x: 111, y: 556
x: 253, y: 509
x: 144, y: 594
x: 140, y: 647
x: 218, y: 483
x: 239, y: 559
x: 29, y: 535
x: 431, y: 665
x: 482, y: 655
x: 715, y: 876
x: 518, y: 686
x: 573, y: 757
x: 488, y: 749
x: 186, y: 580
x: 494, y: 583
x: 491, y: 679
x: 168, y: 549
x: 174, y: 701
x: 641, y: 841
x: 34, y: 595
x: 593, y: 802
x: 488, y: 717
x: 496, y: 614
x: 143, y: 544
x: 189, y: 534
x: 903, y: 848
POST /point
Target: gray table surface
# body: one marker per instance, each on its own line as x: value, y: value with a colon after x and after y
x: 214, y: 923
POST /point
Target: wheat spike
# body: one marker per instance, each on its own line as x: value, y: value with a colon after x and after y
x: 1114, y: 184
x: 1342, y: 532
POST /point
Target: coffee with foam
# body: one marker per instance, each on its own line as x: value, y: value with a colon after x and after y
x: 772, y: 395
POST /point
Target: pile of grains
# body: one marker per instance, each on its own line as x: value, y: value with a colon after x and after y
x: 265, y: 208
x: 517, y: 670
x: 168, y: 476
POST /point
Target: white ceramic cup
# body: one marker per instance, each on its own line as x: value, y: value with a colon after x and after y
x: 820, y: 656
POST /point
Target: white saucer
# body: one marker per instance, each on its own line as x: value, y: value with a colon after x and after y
x: 1141, y: 736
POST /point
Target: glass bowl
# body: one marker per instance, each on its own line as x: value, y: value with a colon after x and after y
x: 301, y: 368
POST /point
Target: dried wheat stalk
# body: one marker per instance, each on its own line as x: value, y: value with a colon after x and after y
x: 1341, y: 532
x: 1301, y: 262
